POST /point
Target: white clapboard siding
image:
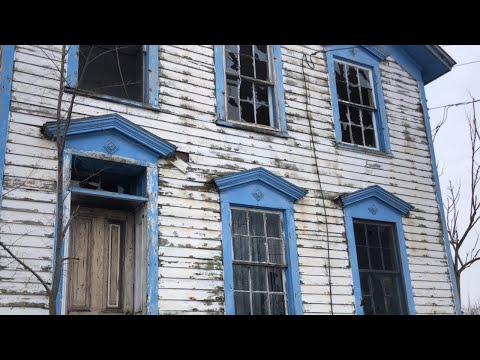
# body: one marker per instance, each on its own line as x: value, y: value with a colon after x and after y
x: 190, y: 241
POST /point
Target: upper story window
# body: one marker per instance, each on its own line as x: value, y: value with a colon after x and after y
x: 356, y: 104
x: 250, y: 87
x: 116, y: 70
x: 125, y: 73
x: 357, y: 98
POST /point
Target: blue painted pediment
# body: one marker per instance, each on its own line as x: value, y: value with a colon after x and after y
x: 111, y: 134
x: 266, y: 178
x: 382, y: 195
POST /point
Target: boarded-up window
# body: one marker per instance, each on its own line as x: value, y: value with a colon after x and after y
x: 115, y: 70
x: 249, y: 91
x: 356, y: 104
x: 379, y: 267
x: 258, y: 263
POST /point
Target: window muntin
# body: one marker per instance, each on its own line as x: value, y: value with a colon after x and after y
x: 115, y: 70
x: 379, y: 268
x: 249, y: 90
x: 259, y: 262
x: 356, y: 102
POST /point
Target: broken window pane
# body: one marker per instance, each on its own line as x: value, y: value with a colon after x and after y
x: 259, y: 249
x: 259, y: 304
x: 252, y: 62
x: 367, y: 97
x: 246, y: 90
x: 231, y: 48
x: 242, y: 303
x: 357, y: 135
x: 246, y: 50
x: 369, y: 138
x: 261, y: 52
x: 240, y: 277
x: 386, y: 237
x: 352, y: 75
x: 263, y: 115
x: 246, y: 66
x: 342, y: 90
x: 354, y: 87
x: 261, y: 68
x: 233, y: 109
x: 343, y: 113
x: 354, y: 94
x: 247, y: 112
x: 115, y: 70
x: 232, y: 86
x: 388, y: 259
x: 232, y: 64
x: 345, y: 132
x: 364, y: 283
x: 277, y: 304
x: 340, y: 72
x: 261, y: 92
x: 354, y: 115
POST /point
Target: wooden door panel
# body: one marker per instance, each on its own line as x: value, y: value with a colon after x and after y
x: 82, y: 234
x: 101, y: 280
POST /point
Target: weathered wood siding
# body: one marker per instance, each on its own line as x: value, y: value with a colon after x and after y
x: 190, y: 254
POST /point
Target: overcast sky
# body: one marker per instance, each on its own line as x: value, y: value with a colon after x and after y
x: 452, y: 143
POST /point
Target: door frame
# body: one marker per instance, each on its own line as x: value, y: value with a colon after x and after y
x: 149, y: 236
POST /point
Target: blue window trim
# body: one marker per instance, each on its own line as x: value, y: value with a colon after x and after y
x: 365, y: 57
x: 376, y: 204
x: 88, y: 137
x: 278, y: 103
x: 261, y: 189
x: 151, y: 78
x: 6, y: 74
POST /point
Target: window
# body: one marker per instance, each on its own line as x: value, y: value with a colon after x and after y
x: 378, y: 254
x: 250, y: 86
x: 127, y: 73
x: 259, y: 243
x: 357, y: 98
x: 378, y: 264
x: 356, y: 104
x: 258, y: 263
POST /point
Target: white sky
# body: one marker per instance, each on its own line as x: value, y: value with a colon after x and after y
x: 452, y: 145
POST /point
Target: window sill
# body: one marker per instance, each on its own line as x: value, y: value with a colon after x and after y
x: 110, y: 98
x: 362, y: 150
x: 253, y: 128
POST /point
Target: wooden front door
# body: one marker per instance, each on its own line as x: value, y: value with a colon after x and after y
x: 101, y: 262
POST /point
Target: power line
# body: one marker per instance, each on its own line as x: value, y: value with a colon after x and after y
x: 457, y: 104
x: 468, y: 63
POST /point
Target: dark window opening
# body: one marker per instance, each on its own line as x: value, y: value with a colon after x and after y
x: 378, y: 259
x: 115, y: 70
x: 258, y: 263
x: 96, y: 174
x: 356, y: 104
x: 249, y: 87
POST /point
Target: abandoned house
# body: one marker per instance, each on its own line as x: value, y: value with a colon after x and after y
x: 223, y: 179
